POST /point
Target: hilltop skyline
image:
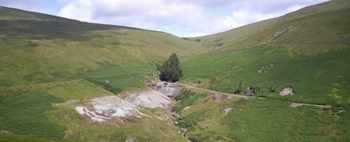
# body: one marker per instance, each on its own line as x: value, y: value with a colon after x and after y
x: 179, y: 17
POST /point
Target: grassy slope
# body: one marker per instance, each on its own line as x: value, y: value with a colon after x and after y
x: 25, y: 115
x: 19, y: 138
x: 323, y: 22
x: 317, y: 72
x: 268, y: 120
x: 140, y: 129
x: 64, y: 49
x: 56, y: 55
x: 263, y: 120
x: 321, y: 79
x: 26, y: 60
x: 118, y: 78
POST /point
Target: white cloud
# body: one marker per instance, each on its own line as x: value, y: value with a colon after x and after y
x: 80, y: 9
x: 178, y: 17
x: 195, y: 34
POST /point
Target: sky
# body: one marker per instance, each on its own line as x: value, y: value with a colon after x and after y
x: 183, y: 18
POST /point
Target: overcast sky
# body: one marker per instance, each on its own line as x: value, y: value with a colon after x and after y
x: 183, y: 18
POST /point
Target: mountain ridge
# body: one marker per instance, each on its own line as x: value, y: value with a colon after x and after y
x: 256, y: 33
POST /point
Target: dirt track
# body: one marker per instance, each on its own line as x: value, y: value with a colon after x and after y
x: 217, y: 92
x: 293, y: 104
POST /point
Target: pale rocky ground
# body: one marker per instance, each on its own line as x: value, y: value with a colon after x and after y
x: 168, y: 89
x: 300, y: 104
x: 186, y: 108
x: 287, y: 91
x: 113, y: 107
x: 227, y: 110
x: 109, y: 108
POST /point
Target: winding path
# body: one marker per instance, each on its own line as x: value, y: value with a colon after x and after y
x: 293, y: 104
x: 202, y: 89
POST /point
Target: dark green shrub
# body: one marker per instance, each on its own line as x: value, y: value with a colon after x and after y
x: 171, y: 70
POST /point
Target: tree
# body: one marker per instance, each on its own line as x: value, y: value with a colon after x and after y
x: 171, y: 70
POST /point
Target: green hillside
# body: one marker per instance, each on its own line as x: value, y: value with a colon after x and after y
x: 254, y: 119
x: 325, y: 22
x: 49, y: 65
x: 37, y: 48
x: 46, y: 59
x: 308, y: 52
x: 14, y: 21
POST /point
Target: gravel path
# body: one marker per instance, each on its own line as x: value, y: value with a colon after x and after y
x: 217, y: 92
x: 241, y: 96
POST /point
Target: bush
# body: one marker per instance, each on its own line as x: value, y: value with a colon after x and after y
x: 171, y: 70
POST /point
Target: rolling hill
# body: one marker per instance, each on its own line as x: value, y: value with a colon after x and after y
x: 37, y: 46
x: 325, y: 22
x: 306, y: 50
x: 54, y: 72
x: 46, y: 60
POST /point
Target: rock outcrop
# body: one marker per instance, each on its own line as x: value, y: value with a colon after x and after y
x: 113, y: 107
x: 287, y: 91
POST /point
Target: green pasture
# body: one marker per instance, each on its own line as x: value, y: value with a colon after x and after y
x: 321, y: 79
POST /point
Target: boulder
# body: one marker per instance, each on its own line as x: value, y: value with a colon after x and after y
x: 287, y: 91
x: 227, y: 110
